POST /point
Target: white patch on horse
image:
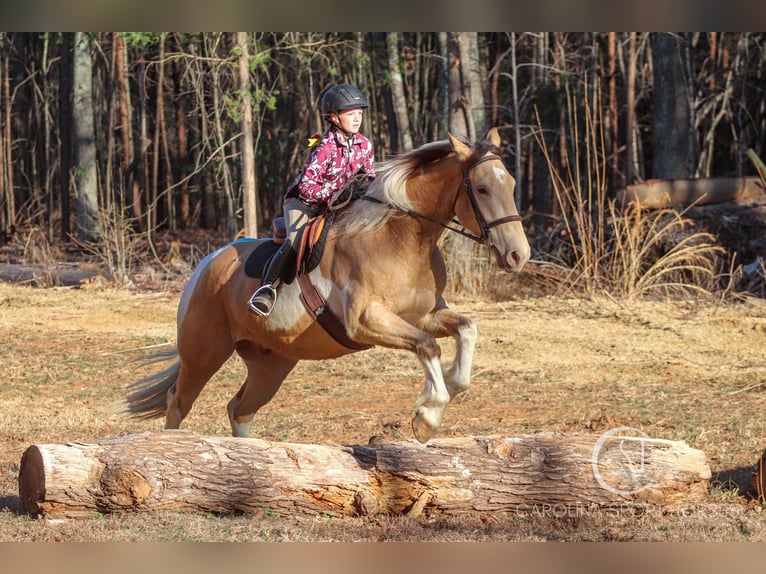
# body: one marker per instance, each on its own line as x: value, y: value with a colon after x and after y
x: 500, y: 174
x: 322, y: 283
x: 289, y: 309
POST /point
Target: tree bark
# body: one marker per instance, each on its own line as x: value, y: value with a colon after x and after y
x: 670, y: 130
x: 184, y: 207
x: 248, y: 154
x: 179, y: 470
x: 85, y: 141
x: 6, y: 192
x: 130, y: 186
x: 458, y: 119
x: 630, y: 120
x: 401, y: 110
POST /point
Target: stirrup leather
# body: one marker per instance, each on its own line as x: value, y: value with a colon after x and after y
x: 266, y: 291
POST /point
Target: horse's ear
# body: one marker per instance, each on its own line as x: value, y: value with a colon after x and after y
x: 461, y: 150
x: 493, y: 137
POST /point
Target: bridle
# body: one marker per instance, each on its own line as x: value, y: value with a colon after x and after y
x: 484, y: 226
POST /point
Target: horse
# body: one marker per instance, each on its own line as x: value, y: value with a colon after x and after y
x: 381, y: 273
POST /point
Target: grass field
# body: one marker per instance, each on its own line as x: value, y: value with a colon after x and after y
x: 692, y: 371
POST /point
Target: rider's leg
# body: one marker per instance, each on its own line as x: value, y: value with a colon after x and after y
x: 262, y: 301
x: 297, y: 214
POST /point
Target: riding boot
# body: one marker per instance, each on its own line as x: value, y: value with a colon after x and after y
x: 264, y: 298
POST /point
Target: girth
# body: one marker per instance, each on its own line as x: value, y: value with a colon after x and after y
x: 320, y: 310
x: 310, y: 251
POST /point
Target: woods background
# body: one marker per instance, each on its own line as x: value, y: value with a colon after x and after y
x: 173, y: 131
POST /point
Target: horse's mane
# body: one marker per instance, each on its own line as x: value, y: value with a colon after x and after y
x: 386, y: 195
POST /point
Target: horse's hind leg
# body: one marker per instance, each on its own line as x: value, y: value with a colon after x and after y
x: 265, y: 372
x: 198, y: 365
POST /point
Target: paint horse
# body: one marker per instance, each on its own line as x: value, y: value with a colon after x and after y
x: 381, y: 274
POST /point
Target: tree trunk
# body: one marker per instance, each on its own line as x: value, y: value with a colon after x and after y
x: 630, y: 120
x: 670, y: 131
x: 179, y: 470
x: 401, y: 110
x: 466, y: 98
x: 518, y: 192
x: 85, y: 141
x: 445, y: 78
x: 7, y: 205
x: 131, y: 190
x: 457, y: 122
x: 159, y: 126
x: 613, y: 116
x: 65, y: 130
x: 248, y: 154
x: 184, y: 207
x: 473, y: 82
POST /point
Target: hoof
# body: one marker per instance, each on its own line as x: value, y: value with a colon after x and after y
x: 421, y: 429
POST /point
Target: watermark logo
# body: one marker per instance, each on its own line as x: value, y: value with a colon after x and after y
x: 621, y: 452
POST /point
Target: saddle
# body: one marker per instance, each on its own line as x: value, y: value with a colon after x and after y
x: 310, y: 249
x: 311, y: 243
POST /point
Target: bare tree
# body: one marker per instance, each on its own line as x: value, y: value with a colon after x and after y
x: 670, y: 131
x: 85, y: 140
x: 248, y: 157
x: 397, y: 92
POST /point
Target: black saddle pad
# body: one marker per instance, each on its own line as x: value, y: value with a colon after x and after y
x: 256, y: 261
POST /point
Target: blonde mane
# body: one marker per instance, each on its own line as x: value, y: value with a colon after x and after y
x: 387, y: 193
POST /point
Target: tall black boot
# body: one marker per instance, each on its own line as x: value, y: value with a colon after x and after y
x: 264, y: 298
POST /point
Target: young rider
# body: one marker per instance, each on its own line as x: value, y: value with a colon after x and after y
x: 341, y: 155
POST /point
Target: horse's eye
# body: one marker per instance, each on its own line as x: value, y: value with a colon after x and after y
x: 482, y: 189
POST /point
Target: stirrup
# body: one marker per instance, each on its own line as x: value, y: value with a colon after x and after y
x: 257, y: 302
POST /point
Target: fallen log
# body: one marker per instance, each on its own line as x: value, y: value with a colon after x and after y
x: 59, y: 274
x: 661, y: 193
x: 180, y: 470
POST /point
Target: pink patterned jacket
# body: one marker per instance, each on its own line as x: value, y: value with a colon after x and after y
x: 332, y: 164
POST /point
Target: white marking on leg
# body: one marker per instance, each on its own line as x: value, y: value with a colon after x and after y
x: 240, y: 426
x: 429, y: 408
x: 241, y: 430
x: 458, y: 376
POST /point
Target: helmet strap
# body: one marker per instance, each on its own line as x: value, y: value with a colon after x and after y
x: 339, y: 127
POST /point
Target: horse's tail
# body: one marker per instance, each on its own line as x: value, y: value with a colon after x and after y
x: 148, y: 397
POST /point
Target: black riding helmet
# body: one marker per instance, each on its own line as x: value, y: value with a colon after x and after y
x: 342, y: 97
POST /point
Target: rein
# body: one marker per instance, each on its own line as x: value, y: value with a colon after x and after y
x: 484, y: 225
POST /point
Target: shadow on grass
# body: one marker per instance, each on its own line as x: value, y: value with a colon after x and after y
x: 10, y: 503
x: 736, y: 481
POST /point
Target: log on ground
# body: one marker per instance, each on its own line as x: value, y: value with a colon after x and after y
x: 661, y: 193
x: 180, y: 470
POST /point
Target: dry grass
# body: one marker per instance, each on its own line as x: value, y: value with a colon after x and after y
x: 690, y: 371
x: 626, y: 252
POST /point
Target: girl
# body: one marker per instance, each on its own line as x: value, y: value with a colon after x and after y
x: 341, y: 155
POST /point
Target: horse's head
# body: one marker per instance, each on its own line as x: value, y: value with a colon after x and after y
x: 485, y: 204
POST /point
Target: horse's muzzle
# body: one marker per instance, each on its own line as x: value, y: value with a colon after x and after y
x: 513, y: 259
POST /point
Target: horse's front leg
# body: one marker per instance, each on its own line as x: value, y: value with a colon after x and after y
x: 443, y: 322
x: 377, y: 325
